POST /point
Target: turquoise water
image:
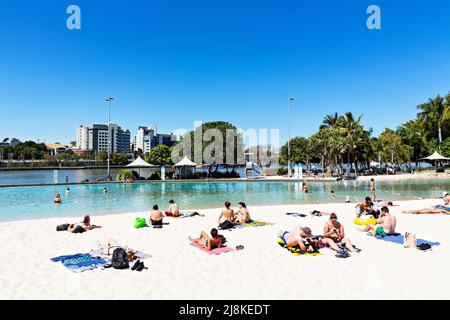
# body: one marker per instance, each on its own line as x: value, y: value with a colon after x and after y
x: 19, y: 203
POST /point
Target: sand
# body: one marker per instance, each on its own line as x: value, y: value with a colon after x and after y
x: 262, y: 270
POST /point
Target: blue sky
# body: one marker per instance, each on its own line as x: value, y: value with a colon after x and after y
x: 173, y: 62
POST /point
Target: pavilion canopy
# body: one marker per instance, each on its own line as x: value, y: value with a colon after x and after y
x: 139, y: 163
x: 436, y: 156
x: 186, y: 162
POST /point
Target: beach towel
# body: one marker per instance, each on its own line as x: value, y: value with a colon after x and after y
x: 295, y: 214
x: 216, y: 251
x: 399, y: 238
x: 80, y: 262
x: 256, y: 223
x: 296, y: 251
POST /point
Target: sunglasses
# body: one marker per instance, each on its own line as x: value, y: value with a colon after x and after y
x: 333, y: 218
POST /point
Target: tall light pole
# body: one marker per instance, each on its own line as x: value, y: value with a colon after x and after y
x: 109, y: 100
x: 289, y: 136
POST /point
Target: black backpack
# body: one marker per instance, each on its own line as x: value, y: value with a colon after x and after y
x: 63, y: 227
x: 119, y: 259
x: 226, y: 225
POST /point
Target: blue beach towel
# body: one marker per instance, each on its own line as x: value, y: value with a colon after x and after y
x: 80, y: 262
x: 399, y: 238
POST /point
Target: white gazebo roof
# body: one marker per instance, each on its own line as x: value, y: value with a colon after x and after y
x: 435, y: 156
x: 139, y: 163
x: 186, y: 162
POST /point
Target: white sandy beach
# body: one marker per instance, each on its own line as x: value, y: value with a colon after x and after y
x: 263, y: 270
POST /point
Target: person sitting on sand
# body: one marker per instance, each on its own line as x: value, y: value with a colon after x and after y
x: 83, y: 226
x: 208, y: 242
x: 333, y: 235
x: 365, y: 207
x: 227, y: 213
x: 174, y: 210
x: 57, y: 198
x: 156, y: 217
x: 385, y: 224
x: 296, y: 237
x: 242, y: 214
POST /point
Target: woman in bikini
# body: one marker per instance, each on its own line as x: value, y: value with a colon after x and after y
x: 334, y: 235
x: 206, y: 241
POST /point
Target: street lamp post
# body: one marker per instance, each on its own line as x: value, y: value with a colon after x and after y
x: 289, y: 136
x: 109, y: 100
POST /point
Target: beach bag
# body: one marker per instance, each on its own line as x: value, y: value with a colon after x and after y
x: 119, y: 259
x: 410, y: 241
x: 140, y: 223
x: 226, y: 225
x: 63, y: 227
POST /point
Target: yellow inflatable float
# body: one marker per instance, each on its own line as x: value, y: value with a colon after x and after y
x: 364, y: 222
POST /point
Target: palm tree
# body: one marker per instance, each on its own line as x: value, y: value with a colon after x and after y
x: 353, y: 131
x: 434, y: 114
x: 331, y: 120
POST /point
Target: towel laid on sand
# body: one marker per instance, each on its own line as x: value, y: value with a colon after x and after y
x: 295, y: 214
x: 216, y: 251
x: 399, y: 238
x: 80, y: 262
x: 296, y: 251
x: 256, y: 223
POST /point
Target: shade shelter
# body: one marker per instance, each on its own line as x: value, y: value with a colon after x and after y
x: 437, y: 158
x: 185, y: 168
x: 139, y: 163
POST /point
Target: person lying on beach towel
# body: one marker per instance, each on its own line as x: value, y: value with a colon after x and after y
x: 297, y: 237
x: 107, y: 248
x: 433, y: 210
x: 385, y: 224
x: 208, y: 242
x: 156, y: 217
x: 83, y: 226
x: 334, y: 235
x: 242, y: 215
x: 439, y: 209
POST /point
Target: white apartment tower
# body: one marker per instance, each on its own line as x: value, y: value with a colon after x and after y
x: 82, y: 138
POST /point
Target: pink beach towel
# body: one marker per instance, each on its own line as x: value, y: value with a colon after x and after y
x: 213, y: 251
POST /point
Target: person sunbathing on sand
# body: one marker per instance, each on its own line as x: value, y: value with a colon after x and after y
x: 385, y: 224
x: 208, y: 242
x: 242, y: 214
x: 156, y: 217
x: 83, y: 226
x: 333, y: 234
x: 439, y: 209
x: 296, y: 237
x: 174, y: 210
x: 227, y: 213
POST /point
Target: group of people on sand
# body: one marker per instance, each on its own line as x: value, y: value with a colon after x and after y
x: 229, y: 217
x: 239, y: 216
x: 333, y: 237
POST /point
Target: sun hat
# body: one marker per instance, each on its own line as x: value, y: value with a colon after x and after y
x: 445, y: 193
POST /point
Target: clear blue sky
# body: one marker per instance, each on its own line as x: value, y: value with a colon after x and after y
x: 171, y: 62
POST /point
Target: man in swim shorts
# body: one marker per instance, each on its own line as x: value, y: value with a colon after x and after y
x: 385, y: 224
x: 156, y: 217
x: 296, y: 237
